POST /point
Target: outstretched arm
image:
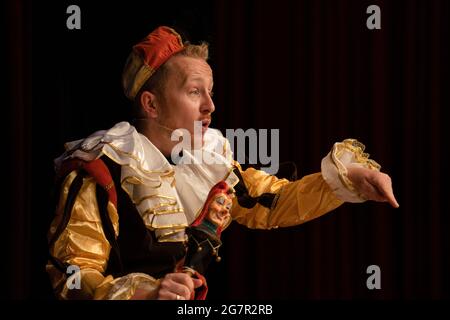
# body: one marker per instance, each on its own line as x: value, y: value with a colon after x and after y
x: 347, y: 175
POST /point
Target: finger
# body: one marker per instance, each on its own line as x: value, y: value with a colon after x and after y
x: 179, y: 289
x: 371, y: 192
x: 178, y: 297
x: 175, y: 288
x: 197, y: 282
x: 388, y: 194
x: 164, y: 294
x: 384, y: 186
x: 182, y: 278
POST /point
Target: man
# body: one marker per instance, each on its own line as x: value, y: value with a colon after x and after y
x: 128, y: 194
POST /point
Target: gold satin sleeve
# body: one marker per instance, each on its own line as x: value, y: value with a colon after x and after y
x: 295, y: 202
x: 84, y: 244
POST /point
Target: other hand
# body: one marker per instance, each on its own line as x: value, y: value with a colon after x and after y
x: 177, y: 286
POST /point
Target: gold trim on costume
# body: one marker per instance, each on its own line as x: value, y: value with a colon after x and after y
x: 157, y: 213
x: 358, y: 149
x: 224, y: 150
x: 229, y: 173
x: 174, y: 231
x: 184, y: 239
x: 144, y: 73
x: 131, y: 179
x: 161, y: 205
x: 170, y: 226
x: 138, y: 202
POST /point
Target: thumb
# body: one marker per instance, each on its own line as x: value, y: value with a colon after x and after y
x: 197, y: 282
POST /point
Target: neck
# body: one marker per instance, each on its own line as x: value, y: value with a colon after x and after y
x: 158, y: 135
x: 209, y: 225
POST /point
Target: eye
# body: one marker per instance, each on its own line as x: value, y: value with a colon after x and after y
x: 220, y: 200
x: 194, y: 92
x: 211, y: 93
x: 228, y: 207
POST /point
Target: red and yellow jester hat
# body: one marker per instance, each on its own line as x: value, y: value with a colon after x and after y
x: 147, y: 56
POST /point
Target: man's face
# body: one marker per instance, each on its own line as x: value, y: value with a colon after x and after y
x: 187, y: 94
x: 219, y: 209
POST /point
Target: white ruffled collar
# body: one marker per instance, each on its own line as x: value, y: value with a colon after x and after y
x: 168, y: 197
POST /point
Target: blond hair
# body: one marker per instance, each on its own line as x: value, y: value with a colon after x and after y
x: 200, y: 51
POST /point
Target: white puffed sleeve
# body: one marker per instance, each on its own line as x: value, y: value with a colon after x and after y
x: 342, y: 156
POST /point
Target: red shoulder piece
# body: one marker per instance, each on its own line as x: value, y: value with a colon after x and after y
x: 97, y: 169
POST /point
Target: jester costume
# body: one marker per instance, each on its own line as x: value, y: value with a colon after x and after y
x: 124, y: 211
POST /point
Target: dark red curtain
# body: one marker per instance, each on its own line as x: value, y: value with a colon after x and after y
x: 311, y: 69
x: 16, y: 132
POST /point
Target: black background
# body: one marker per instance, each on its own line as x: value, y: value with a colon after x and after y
x: 309, y: 68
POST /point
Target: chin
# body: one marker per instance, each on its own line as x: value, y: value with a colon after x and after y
x: 200, y: 139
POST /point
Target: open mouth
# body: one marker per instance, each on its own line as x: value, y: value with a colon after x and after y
x: 205, y: 124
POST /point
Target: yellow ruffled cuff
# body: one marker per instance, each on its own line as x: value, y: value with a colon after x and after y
x: 342, y: 156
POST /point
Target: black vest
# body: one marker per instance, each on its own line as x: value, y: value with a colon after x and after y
x: 139, y: 250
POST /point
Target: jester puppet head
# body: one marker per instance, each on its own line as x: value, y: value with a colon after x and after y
x: 204, y: 233
x: 215, y: 214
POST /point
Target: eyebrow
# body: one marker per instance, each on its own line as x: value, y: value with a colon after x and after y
x: 195, y: 79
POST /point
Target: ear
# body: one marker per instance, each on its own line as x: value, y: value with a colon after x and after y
x: 148, y: 103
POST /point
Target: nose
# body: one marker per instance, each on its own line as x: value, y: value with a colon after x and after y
x: 207, y: 106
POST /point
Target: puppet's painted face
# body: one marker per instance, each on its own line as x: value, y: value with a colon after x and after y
x: 219, y: 209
